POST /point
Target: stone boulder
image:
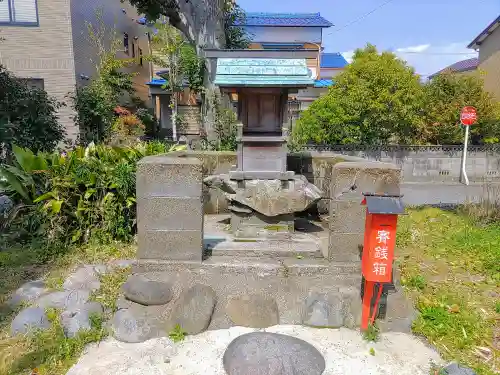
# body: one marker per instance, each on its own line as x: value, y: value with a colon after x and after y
x: 269, y: 197
x: 85, y: 278
x: 63, y: 300
x: 29, y: 320
x: 28, y: 293
x: 147, y: 292
x: 254, y: 311
x: 129, y: 326
x: 264, y: 353
x: 323, y: 311
x: 193, y: 310
x: 456, y: 369
x: 78, y: 318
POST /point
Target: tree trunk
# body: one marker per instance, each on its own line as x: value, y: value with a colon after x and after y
x: 201, y: 21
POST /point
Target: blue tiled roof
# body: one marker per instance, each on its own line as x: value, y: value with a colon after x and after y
x: 333, y: 60
x: 157, y: 82
x: 321, y: 83
x: 285, y: 19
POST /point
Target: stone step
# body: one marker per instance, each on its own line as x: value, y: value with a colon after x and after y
x: 254, y: 266
x: 267, y: 248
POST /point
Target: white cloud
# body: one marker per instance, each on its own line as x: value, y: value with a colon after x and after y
x: 419, y: 48
x: 348, y: 55
x: 428, y: 59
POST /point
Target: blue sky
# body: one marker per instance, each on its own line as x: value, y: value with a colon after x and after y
x: 429, y: 34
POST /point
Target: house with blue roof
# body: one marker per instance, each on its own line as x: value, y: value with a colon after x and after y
x: 300, y: 31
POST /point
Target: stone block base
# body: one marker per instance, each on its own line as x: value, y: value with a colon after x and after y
x: 255, y: 225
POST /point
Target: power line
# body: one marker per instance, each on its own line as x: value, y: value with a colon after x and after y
x: 435, y: 53
x: 361, y: 17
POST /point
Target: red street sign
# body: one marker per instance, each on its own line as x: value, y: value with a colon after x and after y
x: 468, y: 116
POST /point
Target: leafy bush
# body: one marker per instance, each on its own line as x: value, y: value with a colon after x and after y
x: 379, y: 99
x: 28, y: 116
x: 88, y: 193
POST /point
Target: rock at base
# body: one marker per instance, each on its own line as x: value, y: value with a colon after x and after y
x: 193, y: 310
x: 28, y: 292
x: 29, y: 320
x: 323, y: 311
x: 63, y: 300
x: 264, y: 353
x: 85, y: 278
x: 147, y: 292
x: 254, y: 311
x: 456, y: 369
x: 77, y: 318
x: 131, y: 327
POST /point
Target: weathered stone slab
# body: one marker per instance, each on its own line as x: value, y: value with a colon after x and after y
x: 253, y: 310
x: 84, y: 278
x: 171, y: 245
x: 163, y: 176
x: 78, y: 318
x: 29, y: 320
x: 349, y: 181
x: 63, y: 300
x: 170, y: 213
x: 28, y: 292
x: 193, y: 310
x: 141, y: 290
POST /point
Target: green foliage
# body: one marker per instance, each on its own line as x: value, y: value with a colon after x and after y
x: 50, y: 351
x: 415, y: 281
x: 225, y: 127
x: 460, y: 260
x: 177, y: 334
x: 94, y: 103
x: 372, y: 352
x: 27, y: 116
x: 234, y: 16
x: 372, y: 333
x: 497, y: 307
x: 86, y: 194
x: 444, y: 96
x: 192, y: 67
x: 378, y: 99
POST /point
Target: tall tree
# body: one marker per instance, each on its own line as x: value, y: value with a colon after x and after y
x: 376, y: 100
x: 445, y: 95
x: 205, y: 24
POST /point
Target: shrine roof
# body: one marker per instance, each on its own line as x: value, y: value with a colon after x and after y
x: 263, y: 72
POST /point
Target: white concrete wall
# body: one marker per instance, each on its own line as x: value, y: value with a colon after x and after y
x: 270, y: 34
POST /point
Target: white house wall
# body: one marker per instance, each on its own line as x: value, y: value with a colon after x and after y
x: 284, y: 34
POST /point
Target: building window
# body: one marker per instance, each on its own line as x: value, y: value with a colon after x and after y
x: 34, y: 83
x: 19, y: 12
x: 125, y: 43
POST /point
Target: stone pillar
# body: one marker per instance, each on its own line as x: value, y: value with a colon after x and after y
x: 170, y: 208
x: 347, y: 216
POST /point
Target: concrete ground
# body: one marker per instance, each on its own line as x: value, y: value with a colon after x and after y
x: 345, y: 353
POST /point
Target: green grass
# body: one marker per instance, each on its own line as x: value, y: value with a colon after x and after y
x: 372, y: 334
x: 50, y: 352
x: 450, y: 267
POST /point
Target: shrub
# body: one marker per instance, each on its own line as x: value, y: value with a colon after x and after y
x: 88, y: 193
x: 28, y: 116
